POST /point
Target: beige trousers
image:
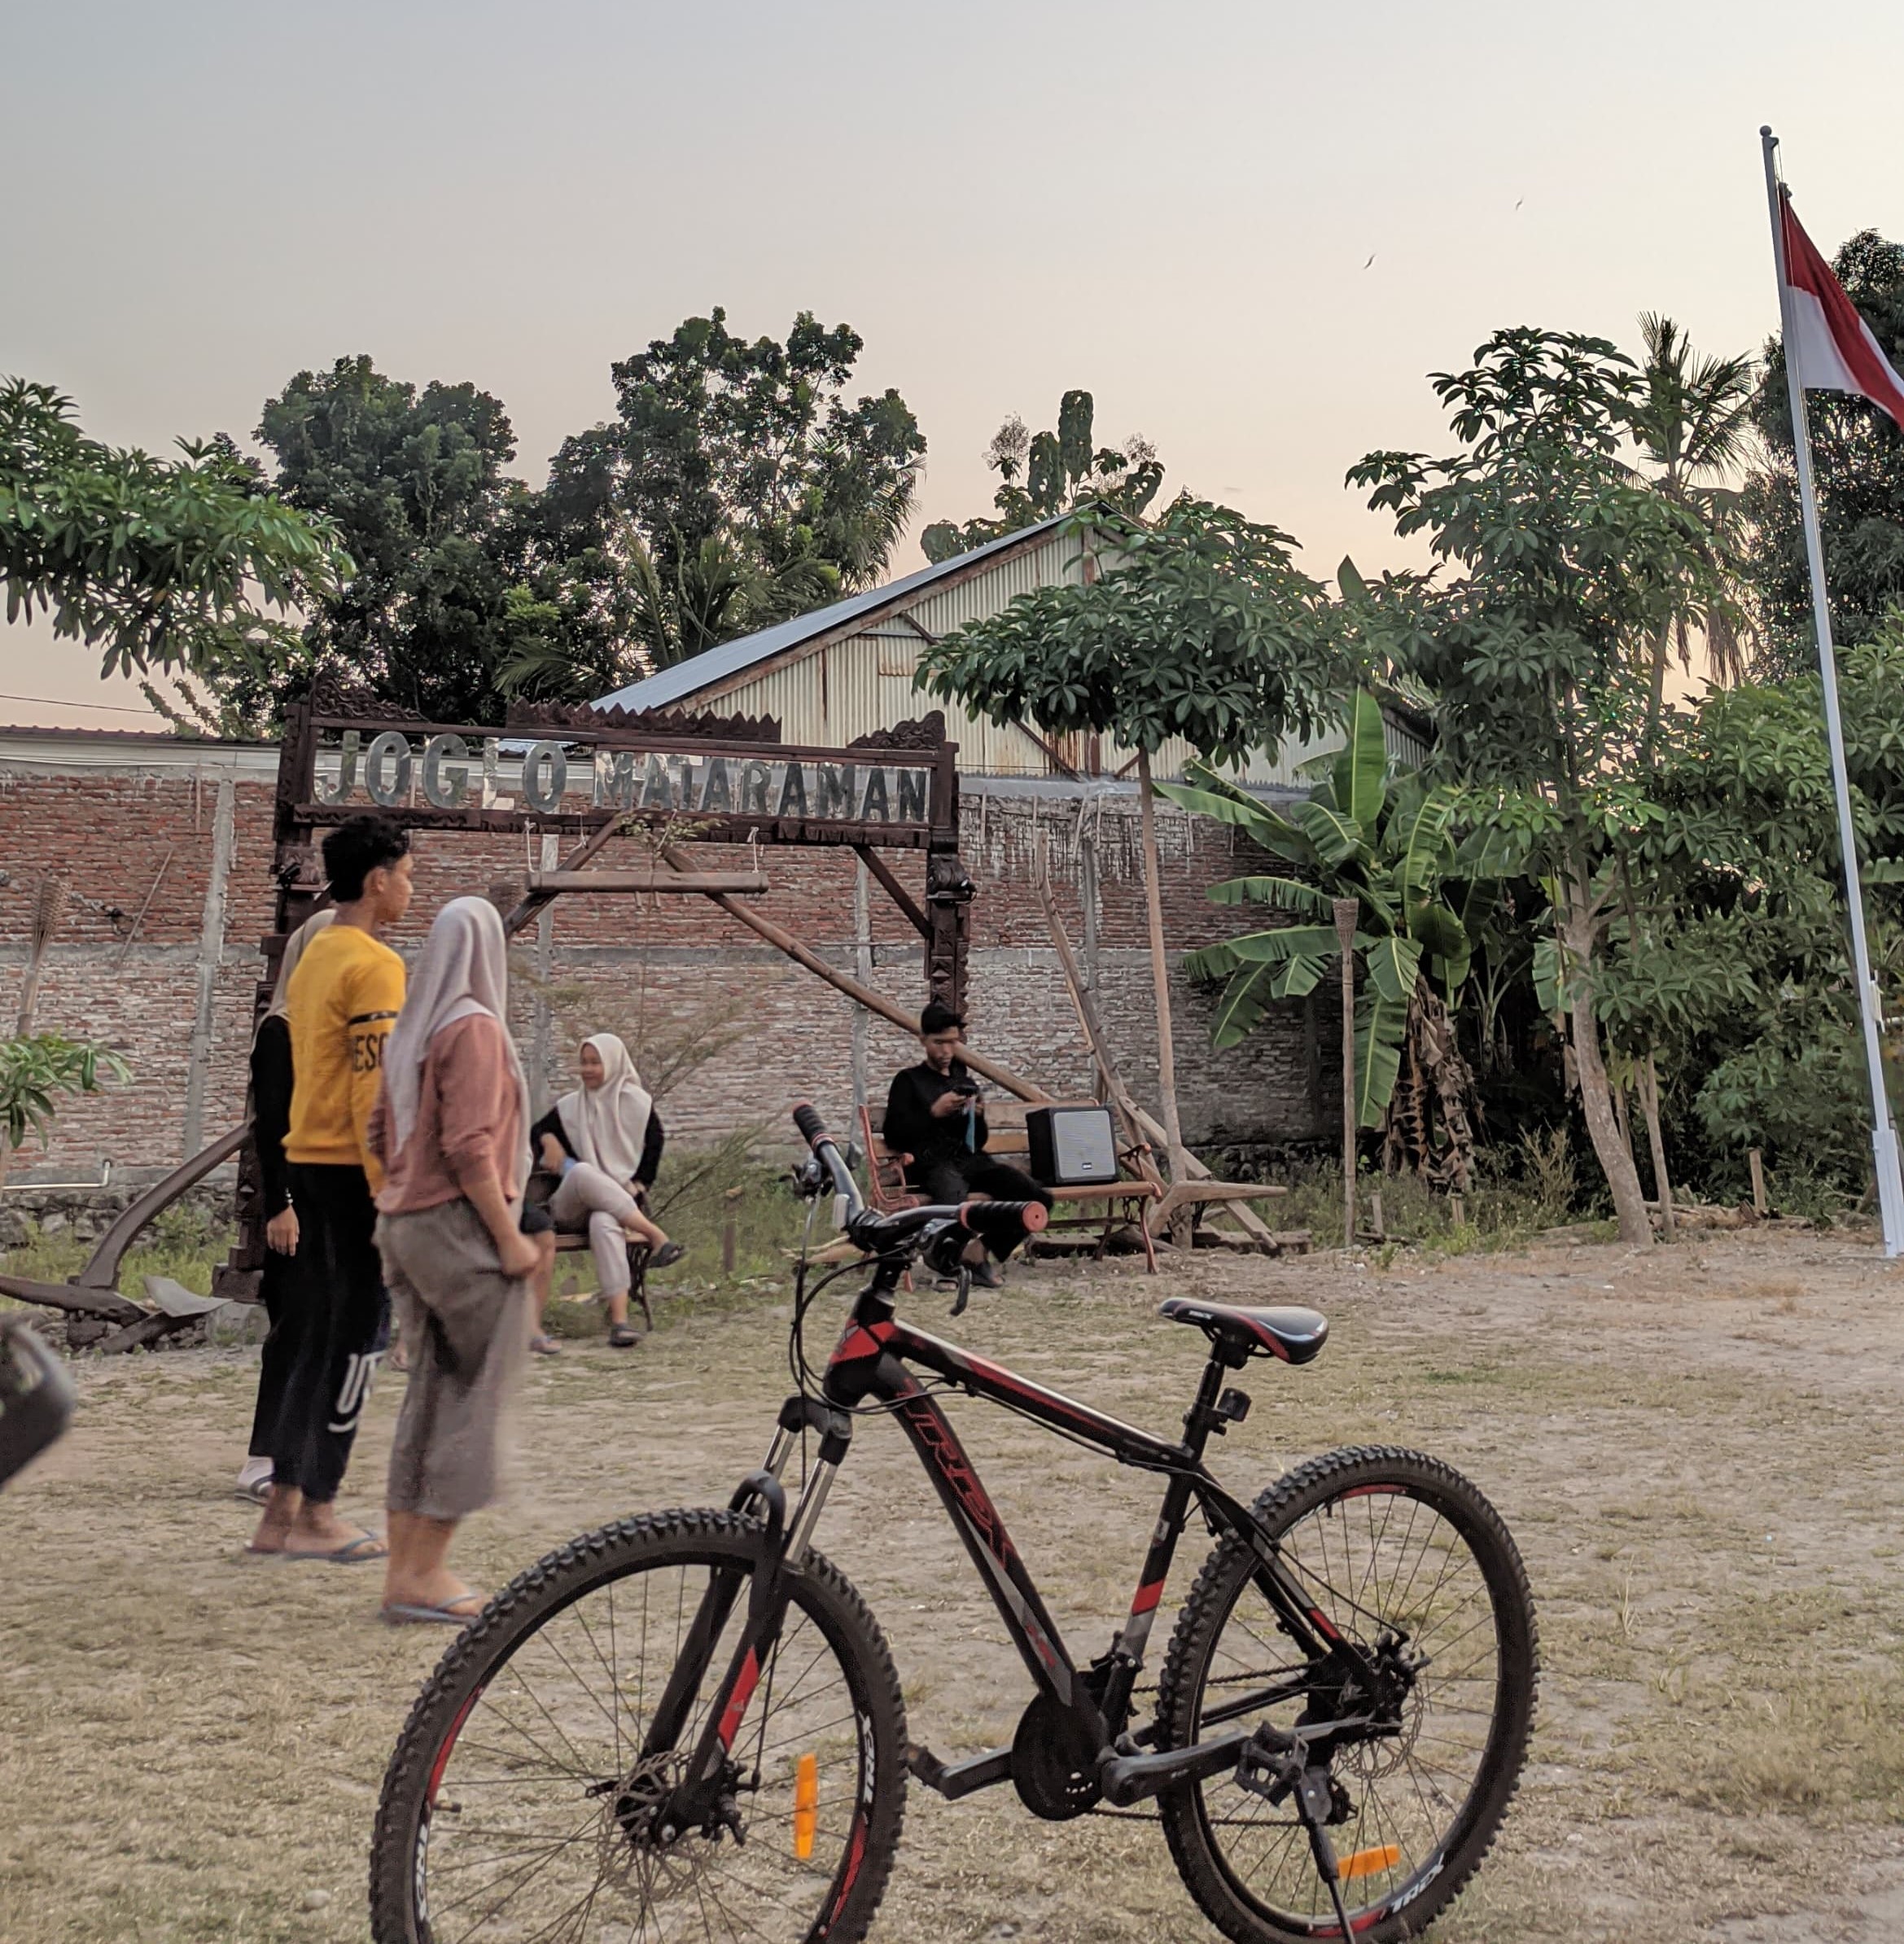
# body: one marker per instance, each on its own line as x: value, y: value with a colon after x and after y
x: 588, y: 1201
x: 468, y: 1335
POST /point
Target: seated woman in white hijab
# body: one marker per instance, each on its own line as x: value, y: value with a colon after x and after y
x: 450, y: 1124
x: 603, y: 1140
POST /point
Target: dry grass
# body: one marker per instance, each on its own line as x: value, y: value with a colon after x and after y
x: 1696, y: 1451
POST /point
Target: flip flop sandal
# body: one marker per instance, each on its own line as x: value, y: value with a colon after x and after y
x: 620, y: 1336
x: 353, y: 1552
x: 258, y: 1552
x: 258, y: 1494
x: 404, y: 1613
x: 667, y: 1255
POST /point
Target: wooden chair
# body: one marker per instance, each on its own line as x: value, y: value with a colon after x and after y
x: 1083, y: 1216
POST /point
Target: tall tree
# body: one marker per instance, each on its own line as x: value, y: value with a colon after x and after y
x: 1205, y: 629
x: 738, y: 484
x: 166, y: 566
x: 1693, y: 426
x: 1857, y: 457
x: 1042, y: 475
x: 1563, y: 567
x: 415, y: 482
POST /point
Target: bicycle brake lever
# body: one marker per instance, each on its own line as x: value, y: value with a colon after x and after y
x: 964, y: 1294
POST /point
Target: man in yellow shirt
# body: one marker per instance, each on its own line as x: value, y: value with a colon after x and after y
x: 342, y: 999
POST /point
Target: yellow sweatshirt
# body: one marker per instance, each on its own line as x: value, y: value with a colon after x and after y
x: 343, y: 999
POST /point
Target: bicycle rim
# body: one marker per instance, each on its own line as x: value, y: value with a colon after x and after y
x: 538, y: 1824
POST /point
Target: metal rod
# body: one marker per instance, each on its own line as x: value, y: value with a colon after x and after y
x: 1884, y: 1139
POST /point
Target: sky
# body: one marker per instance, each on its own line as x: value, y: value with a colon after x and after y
x: 1250, y: 230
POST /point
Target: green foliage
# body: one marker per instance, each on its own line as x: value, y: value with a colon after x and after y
x: 737, y: 485
x: 1365, y: 834
x: 1203, y: 628
x: 1858, y: 459
x: 1059, y: 470
x: 160, y: 564
x: 37, y: 1073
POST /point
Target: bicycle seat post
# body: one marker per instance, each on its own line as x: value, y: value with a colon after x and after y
x: 1203, y: 1418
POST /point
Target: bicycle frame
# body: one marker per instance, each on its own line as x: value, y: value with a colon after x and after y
x: 870, y: 1364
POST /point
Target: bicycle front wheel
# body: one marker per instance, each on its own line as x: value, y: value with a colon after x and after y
x: 520, y: 1806
x: 1407, y: 1560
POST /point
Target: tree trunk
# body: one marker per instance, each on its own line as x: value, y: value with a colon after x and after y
x: 1347, y: 911
x: 1646, y: 1083
x: 1167, y: 1053
x: 1596, y: 1095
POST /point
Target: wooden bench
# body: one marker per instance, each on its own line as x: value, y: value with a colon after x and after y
x: 1085, y: 1216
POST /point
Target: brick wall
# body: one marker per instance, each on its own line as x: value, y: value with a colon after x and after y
x: 667, y: 972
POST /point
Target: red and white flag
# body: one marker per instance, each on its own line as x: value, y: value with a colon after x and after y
x: 1830, y: 346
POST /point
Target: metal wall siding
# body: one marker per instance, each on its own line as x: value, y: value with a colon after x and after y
x: 865, y: 683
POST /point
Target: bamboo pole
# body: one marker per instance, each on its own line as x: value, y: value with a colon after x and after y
x: 1347, y: 911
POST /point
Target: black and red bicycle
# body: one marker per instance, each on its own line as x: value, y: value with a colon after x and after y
x: 687, y: 1725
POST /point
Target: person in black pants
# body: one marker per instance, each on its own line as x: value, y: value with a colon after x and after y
x: 935, y: 1116
x: 271, y: 1087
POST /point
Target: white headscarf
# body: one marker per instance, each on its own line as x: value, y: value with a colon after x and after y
x: 294, y: 950
x: 464, y: 969
x: 607, y: 1125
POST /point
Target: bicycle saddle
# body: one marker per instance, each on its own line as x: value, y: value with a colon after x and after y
x: 1295, y: 1335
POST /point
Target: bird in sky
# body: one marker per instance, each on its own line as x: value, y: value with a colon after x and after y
x: 1371, y: 259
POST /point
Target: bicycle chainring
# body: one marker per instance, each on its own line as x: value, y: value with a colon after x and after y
x: 1054, y: 1764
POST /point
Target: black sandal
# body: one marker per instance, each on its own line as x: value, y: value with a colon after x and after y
x: 621, y: 1337
x: 667, y: 1255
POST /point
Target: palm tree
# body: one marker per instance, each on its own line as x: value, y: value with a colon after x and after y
x: 1694, y: 430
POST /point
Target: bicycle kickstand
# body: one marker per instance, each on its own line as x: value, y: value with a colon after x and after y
x: 1313, y: 1804
x: 1277, y: 1766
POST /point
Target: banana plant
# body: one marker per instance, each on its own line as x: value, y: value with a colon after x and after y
x: 1384, y: 839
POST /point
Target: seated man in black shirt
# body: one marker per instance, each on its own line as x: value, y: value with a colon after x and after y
x: 935, y: 1114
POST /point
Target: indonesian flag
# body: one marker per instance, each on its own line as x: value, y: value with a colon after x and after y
x: 1830, y: 346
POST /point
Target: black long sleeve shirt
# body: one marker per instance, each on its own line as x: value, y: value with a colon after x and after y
x: 910, y: 1128
x: 652, y: 1143
x: 271, y: 1078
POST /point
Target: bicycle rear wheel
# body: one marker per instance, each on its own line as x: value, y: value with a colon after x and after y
x: 519, y: 1807
x: 1390, y: 1546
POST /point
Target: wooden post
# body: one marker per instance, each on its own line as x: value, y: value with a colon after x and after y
x: 1347, y: 910
x: 1166, y: 1055
x: 1377, y: 1225
x: 729, y: 1239
x: 1755, y: 1163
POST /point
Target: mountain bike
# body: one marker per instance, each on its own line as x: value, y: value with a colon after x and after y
x: 687, y: 1725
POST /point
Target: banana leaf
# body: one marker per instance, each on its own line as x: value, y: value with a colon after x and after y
x: 1284, y: 894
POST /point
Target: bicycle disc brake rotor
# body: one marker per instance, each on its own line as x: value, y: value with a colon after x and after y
x: 1054, y: 1767
x: 633, y: 1851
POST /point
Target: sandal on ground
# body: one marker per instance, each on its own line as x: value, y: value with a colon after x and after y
x: 667, y: 1255
x: 258, y: 1492
x: 353, y: 1552
x: 405, y: 1612
x: 543, y: 1345
x: 622, y: 1336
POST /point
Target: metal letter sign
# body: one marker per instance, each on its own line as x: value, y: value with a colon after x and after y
x: 523, y: 781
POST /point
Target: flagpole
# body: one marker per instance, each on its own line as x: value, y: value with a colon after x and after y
x: 1884, y: 1139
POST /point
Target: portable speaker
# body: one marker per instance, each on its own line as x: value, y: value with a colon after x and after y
x: 1071, y: 1147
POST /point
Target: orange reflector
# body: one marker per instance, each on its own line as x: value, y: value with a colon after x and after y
x: 1370, y: 1863
x: 806, y: 1806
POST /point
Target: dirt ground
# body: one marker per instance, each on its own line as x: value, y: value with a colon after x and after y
x: 1697, y: 1451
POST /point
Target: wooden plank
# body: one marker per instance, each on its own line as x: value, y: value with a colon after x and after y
x: 729, y: 883
x: 74, y: 1298
x: 894, y: 889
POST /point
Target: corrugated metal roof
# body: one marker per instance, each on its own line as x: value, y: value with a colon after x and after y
x: 703, y: 671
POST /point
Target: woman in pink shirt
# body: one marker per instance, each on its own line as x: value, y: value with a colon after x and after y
x: 450, y: 1128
